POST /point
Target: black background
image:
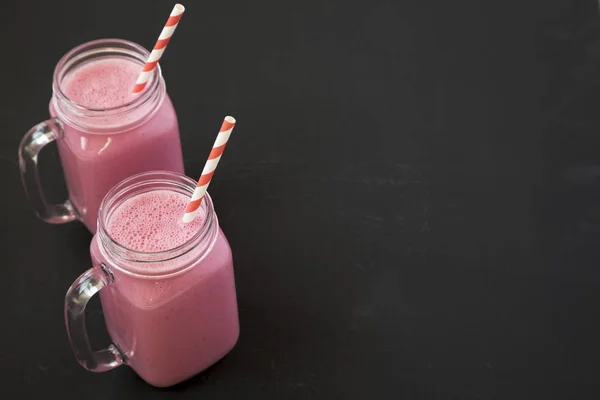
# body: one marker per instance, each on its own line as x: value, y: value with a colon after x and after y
x: 412, y: 195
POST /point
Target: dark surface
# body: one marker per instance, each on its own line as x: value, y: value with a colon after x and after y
x: 412, y: 194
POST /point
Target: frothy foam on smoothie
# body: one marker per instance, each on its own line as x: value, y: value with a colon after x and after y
x: 102, y: 83
x: 151, y: 222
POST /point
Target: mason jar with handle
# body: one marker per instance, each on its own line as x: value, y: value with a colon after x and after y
x: 167, y: 288
x: 104, y: 132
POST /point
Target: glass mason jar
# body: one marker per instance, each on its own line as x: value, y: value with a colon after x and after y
x: 100, y: 147
x: 170, y: 314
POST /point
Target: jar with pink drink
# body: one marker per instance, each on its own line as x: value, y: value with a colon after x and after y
x: 166, y: 287
x: 104, y: 132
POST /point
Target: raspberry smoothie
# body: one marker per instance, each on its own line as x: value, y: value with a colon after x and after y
x: 119, y: 134
x: 176, y: 317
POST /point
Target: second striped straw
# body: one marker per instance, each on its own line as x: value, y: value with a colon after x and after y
x: 209, y: 169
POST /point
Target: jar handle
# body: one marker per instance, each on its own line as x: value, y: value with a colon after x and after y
x: 31, y: 145
x: 78, y: 295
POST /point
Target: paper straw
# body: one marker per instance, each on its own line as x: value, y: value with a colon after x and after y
x: 159, y: 48
x: 209, y: 169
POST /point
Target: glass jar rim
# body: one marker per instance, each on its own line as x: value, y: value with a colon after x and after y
x: 100, y: 46
x: 142, y: 183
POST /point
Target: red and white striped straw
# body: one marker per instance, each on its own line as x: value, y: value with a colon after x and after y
x: 209, y: 169
x: 159, y: 48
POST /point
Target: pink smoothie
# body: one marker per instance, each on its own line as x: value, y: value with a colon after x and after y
x: 102, y: 84
x: 151, y: 222
x: 171, y: 327
x: 98, y: 152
